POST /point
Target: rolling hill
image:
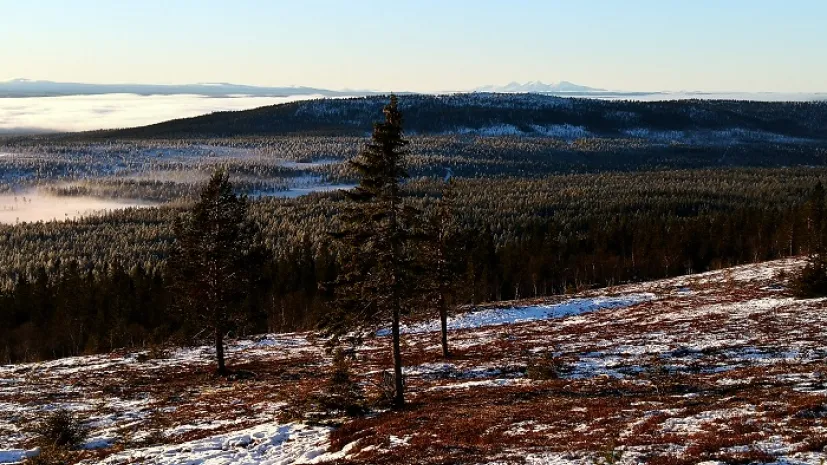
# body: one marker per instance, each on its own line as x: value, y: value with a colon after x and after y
x: 509, y: 114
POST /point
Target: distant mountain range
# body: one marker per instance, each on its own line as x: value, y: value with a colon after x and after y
x: 539, y: 87
x: 31, y: 88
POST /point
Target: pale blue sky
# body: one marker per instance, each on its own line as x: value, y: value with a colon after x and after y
x: 422, y: 45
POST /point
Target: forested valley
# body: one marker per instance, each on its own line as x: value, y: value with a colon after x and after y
x: 550, y: 196
x: 98, y: 283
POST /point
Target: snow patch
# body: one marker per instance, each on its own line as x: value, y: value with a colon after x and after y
x: 513, y: 315
x: 268, y: 444
x: 484, y: 383
x: 16, y: 455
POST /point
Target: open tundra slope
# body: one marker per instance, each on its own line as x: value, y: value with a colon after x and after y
x: 719, y: 367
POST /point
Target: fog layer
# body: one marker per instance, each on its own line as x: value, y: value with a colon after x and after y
x: 33, y: 207
x: 85, y: 113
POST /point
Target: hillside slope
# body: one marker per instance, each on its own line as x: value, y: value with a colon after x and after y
x: 503, y: 114
x: 722, y: 366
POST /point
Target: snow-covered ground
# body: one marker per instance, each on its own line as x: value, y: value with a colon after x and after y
x: 720, y: 366
x: 266, y: 444
x: 523, y: 314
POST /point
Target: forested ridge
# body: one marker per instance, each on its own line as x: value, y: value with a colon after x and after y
x: 100, y: 283
x: 528, y: 113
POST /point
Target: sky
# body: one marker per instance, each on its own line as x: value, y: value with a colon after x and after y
x: 422, y: 45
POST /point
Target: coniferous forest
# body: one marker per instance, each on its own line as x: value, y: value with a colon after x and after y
x: 655, y: 190
x: 391, y: 233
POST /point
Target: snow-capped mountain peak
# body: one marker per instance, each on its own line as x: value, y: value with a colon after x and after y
x: 539, y: 86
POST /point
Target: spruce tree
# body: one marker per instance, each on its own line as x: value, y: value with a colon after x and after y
x: 440, y: 257
x: 811, y: 281
x: 814, y: 213
x: 212, y: 263
x: 372, y: 286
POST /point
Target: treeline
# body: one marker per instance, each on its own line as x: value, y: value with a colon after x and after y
x: 518, y: 239
x: 78, y: 311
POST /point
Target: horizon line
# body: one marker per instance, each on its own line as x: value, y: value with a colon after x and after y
x: 593, y: 90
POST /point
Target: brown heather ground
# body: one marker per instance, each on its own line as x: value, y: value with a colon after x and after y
x: 724, y: 366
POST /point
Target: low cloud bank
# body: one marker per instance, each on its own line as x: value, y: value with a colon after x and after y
x: 33, y: 206
x: 112, y: 111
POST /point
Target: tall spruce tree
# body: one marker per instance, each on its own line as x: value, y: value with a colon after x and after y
x: 373, y: 284
x: 440, y: 258
x: 212, y: 263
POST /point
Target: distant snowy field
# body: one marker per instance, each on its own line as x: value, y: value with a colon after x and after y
x: 112, y: 111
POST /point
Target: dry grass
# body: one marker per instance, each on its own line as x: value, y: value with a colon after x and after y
x: 715, y: 373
